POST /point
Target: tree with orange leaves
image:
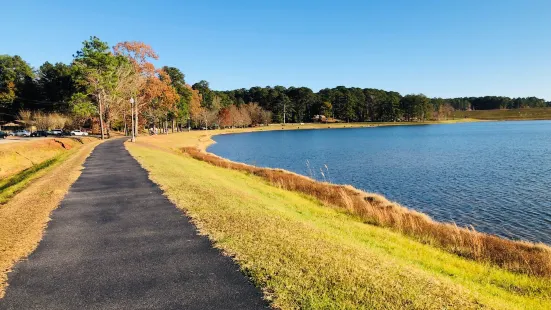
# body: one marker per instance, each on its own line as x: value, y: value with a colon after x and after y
x: 160, y: 96
x: 195, y: 104
x: 225, y: 117
x: 139, y: 55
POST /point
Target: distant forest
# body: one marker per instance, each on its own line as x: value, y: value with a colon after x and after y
x: 58, y: 88
x: 354, y: 104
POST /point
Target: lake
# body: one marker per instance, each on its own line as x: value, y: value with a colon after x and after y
x: 495, y: 176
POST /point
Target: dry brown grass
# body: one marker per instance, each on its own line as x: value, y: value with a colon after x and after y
x: 522, y: 257
x: 24, y: 217
x: 18, y: 156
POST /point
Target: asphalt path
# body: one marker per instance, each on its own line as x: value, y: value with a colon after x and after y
x: 117, y: 243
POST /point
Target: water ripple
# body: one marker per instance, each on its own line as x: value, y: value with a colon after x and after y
x: 494, y: 176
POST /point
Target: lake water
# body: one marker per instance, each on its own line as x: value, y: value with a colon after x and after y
x: 495, y: 176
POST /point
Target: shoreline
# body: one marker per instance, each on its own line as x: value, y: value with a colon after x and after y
x: 304, y: 254
x: 203, y: 145
x: 518, y: 256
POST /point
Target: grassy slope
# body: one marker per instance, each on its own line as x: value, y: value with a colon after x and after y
x: 24, y: 216
x: 18, y: 156
x: 24, y: 162
x: 514, y: 114
x: 306, y: 255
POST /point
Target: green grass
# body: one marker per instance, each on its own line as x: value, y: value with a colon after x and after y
x: 30, y: 160
x: 12, y: 185
x: 513, y: 114
x: 307, y: 255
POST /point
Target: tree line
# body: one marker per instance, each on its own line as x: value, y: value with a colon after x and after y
x: 116, y: 88
x: 119, y: 88
x: 354, y: 104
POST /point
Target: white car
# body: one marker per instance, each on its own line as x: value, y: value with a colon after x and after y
x: 56, y: 132
x: 22, y: 133
x: 78, y: 133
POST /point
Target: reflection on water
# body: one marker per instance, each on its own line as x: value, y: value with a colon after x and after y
x: 494, y: 176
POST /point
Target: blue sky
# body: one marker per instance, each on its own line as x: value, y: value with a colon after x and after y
x: 440, y: 48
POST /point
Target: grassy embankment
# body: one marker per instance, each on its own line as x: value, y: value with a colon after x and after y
x: 35, y: 177
x: 20, y: 163
x: 304, y: 254
x: 513, y: 114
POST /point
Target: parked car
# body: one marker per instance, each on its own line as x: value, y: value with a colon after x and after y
x: 22, y: 133
x: 78, y: 133
x: 39, y: 133
x: 3, y: 134
x: 57, y: 132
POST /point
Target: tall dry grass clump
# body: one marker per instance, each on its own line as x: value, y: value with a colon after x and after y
x: 517, y: 256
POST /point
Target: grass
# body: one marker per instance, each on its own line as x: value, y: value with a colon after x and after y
x: 10, y: 186
x: 375, y: 209
x: 24, y: 217
x: 513, y: 114
x: 18, y: 156
x: 306, y: 255
x: 47, y: 153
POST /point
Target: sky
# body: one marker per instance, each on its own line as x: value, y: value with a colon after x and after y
x: 441, y: 48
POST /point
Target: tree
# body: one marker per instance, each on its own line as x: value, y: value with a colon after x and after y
x: 140, y: 56
x: 82, y: 108
x: 255, y: 113
x: 416, y: 107
x: 266, y: 117
x: 56, y: 86
x: 326, y: 109
x: 234, y: 115
x: 206, y: 117
x: 25, y: 116
x: 207, y: 95
x: 16, y: 83
x: 160, y: 96
x: 243, y: 118
x: 195, y: 105
x: 178, y: 82
x: 225, y: 118
x: 96, y: 70
x: 301, y: 100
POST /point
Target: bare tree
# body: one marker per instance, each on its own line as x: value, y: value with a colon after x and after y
x: 266, y: 117
x: 26, y: 117
x: 40, y: 120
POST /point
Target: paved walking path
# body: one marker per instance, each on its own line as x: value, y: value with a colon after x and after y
x: 117, y: 243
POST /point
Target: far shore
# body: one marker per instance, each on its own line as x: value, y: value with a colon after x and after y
x: 206, y: 140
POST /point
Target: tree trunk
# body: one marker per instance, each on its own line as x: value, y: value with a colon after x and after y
x: 133, y: 133
x: 108, y: 124
x: 136, y: 131
x: 125, y: 127
x: 101, y: 118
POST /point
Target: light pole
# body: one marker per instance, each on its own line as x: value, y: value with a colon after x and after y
x: 133, y: 139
